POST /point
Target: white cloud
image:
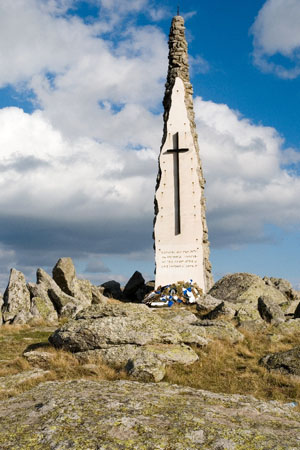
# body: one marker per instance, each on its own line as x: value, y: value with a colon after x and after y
x: 276, y: 31
x: 247, y: 188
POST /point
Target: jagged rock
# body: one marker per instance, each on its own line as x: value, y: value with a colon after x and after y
x: 146, y: 367
x: 289, y: 308
x: 64, y: 275
x: 112, y: 289
x: 10, y: 382
x: 284, y: 286
x: 102, y: 326
x: 290, y: 327
x: 297, y: 312
x: 221, y: 310
x: 270, y: 311
x: 245, y: 287
x: 128, y: 336
x: 219, y: 329
x: 38, y: 358
x: 179, y: 317
x: 286, y: 362
x: 97, y: 295
x: 47, y: 289
x: 42, y: 308
x: 135, y: 288
x: 16, y: 298
x: 207, y: 303
x: 86, y: 414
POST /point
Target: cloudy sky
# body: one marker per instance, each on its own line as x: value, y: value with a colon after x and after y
x: 81, y: 84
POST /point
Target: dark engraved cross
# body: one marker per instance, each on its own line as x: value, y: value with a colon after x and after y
x: 176, y: 150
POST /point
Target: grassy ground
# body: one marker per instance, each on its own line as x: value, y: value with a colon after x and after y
x: 222, y: 367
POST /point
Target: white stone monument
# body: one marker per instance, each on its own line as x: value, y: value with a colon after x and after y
x: 180, y: 230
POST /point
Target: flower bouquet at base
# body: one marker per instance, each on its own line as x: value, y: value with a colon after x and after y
x: 166, y: 296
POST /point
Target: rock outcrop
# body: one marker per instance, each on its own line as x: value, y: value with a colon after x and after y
x: 287, y: 362
x: 129, y: 336
x: 124, y: 414
x: 16, y: 299
x: 270, y: 311
x: 112, y: 289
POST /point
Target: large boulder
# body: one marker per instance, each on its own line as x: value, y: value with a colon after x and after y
x: 245, y: 287
x: 43, y: 309
x: 287, y: 362
x: 297, y: 312
x: 103, y: 326
x: 47, y: 289
x: 270, y: 311
x: 128, y: 336
x: 242, y: 291
x: 16, y: 299
x: 135, y: 289
x: 284, y: 286
x: 112, y: 289
x: 64, y: 275
x: 84, y: 414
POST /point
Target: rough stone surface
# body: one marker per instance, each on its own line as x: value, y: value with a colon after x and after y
x: 131, y: 336
x: 97, y: 295
x: 38, y: 358
x: 135, y: 288
x: 284, y: 286
x: 269, y: 310
x: 297, y: 312
x: 124, y: 414
x: 286, y: 362
x: 47, y: 289
x: 42, y: 308
x: 104, y: 326
x: 112, y: 289
x: 16, y: 297
x: 242, y: 287
x: 10, y: 382
x: 64, y: 275
x: 221, y: 310
x: 219, y: 329
x: 207, y: 303
x: 282, y: 329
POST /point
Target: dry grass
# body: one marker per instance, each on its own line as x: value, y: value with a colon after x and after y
x: 234, y: 369
x: 222, y: 367
x: 61, y: 365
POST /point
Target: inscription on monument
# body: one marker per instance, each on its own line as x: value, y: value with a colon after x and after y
x: 179, y: 259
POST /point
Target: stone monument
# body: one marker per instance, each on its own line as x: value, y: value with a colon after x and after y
x: 180, y: 230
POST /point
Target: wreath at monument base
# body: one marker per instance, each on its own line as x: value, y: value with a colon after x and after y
x: 166, y: 296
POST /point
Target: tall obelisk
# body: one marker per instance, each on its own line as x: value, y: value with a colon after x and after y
x: 180, y: 230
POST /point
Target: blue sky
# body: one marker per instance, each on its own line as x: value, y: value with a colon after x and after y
x: 81, y: 85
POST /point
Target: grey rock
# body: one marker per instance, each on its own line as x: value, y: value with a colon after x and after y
x: 38, y: 358
x: 207, y: 303
x: 64, y: 275
x: 135, y: 288
x: 283, y: 329
x: 286, y: 362
x: 145, y: 367
x: 85, y: 414
x: 22, y: 317
x: 16, y: 297
x: 219, y: 329
x: 47, y: 289
x: 243, y: 288
x: 10, y: 382
x: 284, y: 286
x: 270, y: 311
x: 43, y: 309
x: 120, y: 324
x: 221, y: 310
x: 97, y: 296
x: 297, y: 312
x: 112, y: 289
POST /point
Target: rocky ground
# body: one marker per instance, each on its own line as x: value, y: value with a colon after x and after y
x: 243, y: 336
